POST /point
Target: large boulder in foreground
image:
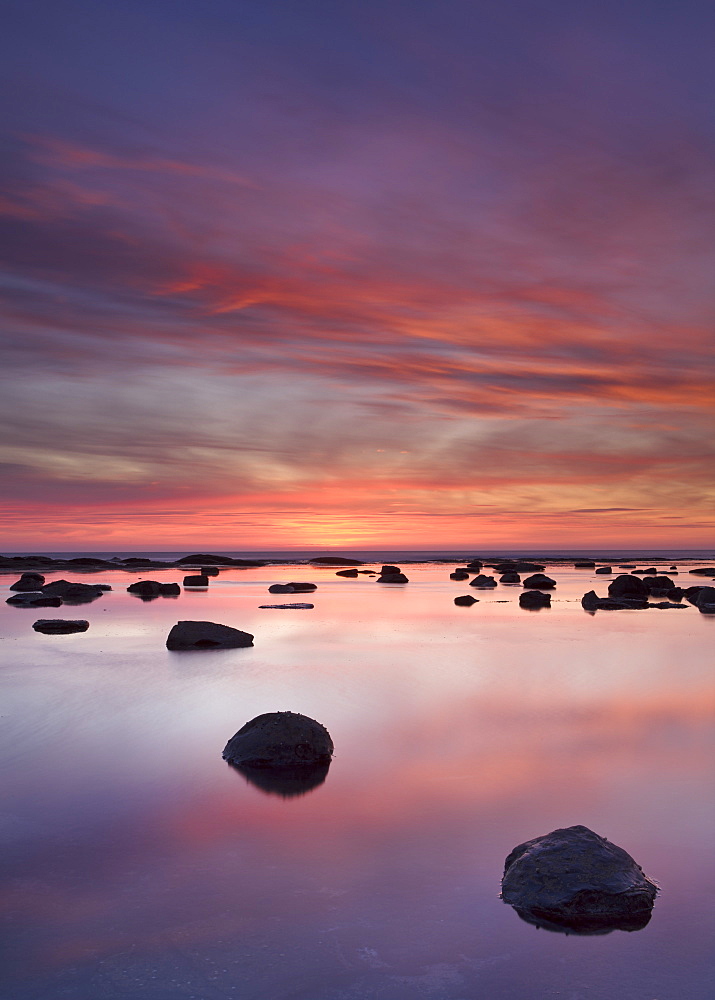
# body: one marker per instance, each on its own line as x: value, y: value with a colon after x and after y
x: 278, y: 740
x: 575, y: 881
x: 206, y: 635
x: 627, y: 585
x: 539, y: 582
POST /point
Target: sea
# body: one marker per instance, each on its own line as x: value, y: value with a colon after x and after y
x: 136, y: 864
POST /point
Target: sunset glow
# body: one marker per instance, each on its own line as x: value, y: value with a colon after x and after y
x: 293, y: 275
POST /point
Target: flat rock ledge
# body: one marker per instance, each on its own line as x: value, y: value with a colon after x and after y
x: 284, y: 607
x: 60, y: 626
x: 280, y: 740
x: 206, y: 635
x: 574, y: 881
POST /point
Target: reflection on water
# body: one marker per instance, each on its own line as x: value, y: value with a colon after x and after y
x: 288, y: 782
x: 136, y: 865
x: 585, y: 926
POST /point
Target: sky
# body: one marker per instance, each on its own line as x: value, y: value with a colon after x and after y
x: 423, y: 274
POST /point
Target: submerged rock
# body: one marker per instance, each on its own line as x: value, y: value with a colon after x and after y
x: 29, y: 582
x: 206, y: 635
x: 153, y: 588
x: 60, y: 626
x: 347, y: 572
x: 534, y: 599
x: 466, y: 601
x: 510, y: 576
x: 302, y: 588
x: 575, y: 881
x: 604, y: 570
x: 280, y: 739
x: 209, y: 571
x: 196, y: 581
x: 459, y: 574
x: 540, y: 582
x: 482, y: 581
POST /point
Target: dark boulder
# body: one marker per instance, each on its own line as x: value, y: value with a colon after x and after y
x: 459, y: 574
x: 577, y: 881
x: 154, y: 588
x: 209, y: 571
x: 529, y: 567
x: 336, y: 561
x: 539, y: 582
x: 627, y: 566
x: 392, y: 578
x: 658, y: 583
x: 466, y: 601
x: 60, y: 626
x: 29, y: 582
x: 206, y: 635
x: 604, y: 570
x: 347, y: 572
x: 281, y: 588
x: 592, y: 602
x: 585, y: 564
x: 196, y: 581
x: 511, y: 576
x: 75, y: 593
x: 35, y: 599
x: 387, y: 570
x: 703, y: 571
x: 280, y: 739
x: 627, y: 585
x: 651, y: 571
x: 534, y: 599
x: 202, y: 559
x: 482, y: 581
x: 303, y: 588
x: 705, y: 600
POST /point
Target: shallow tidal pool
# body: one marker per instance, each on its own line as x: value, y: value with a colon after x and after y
x: 138, y: 865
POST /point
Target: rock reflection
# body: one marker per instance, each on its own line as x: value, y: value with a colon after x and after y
x: 286, y: 782
x: 585, y: 925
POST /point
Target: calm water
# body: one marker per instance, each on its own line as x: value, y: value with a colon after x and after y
x: 138, y: 865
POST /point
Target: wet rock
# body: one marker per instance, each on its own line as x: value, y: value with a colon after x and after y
x: 627, y: 585
x: 604, y: 570
x: 703, y: 571
x: 592, y: 602
x: 466, y: 601
x: 303, y: 588
x: 60, y: 626
x: 206, y: 635
x: 387, y: 570
x: 209, y: 571
x: 483, y: 581
x: 154, y: 588
x: 75, y: 593
x: 199, y: 580
x: 347, y: 572
x: 651, y: 571
x: 705, y: 600
x: 280, y: 739
x: 302, y: 607
x: 534, y: 599
x: 29, y: 582
x: 36, y: 599
x: 475, y: 566
x: 579, y: 882
x: 392, y: 574
x: 281, y: 588
x: 459, y: 574
x: 658, y: 583
x: 511, y: 576
x: 540, y: 582
x: 585, y: 564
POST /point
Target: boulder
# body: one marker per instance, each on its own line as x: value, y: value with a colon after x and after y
x: 627, y: 566
x: 36, y: 599
x: 475, y: 566
x: 534, y: 599
x: 153, y: 588
x: 585, y: 564
x: 392, y: 578
x: 303, y: 588
x: 705, y: 600
x: 281, y: 588
x: 60, y: 626
x: 459, y: 574
x: 280, y: 739
x: 529, y: 567
x: 196, y: 581
x: 209, y: 571
x: 29, y: 582
x: 466, y: 601
x: 482, y: 581
x: 627, y: 585
x: 667, y: 604
x: 703, y: 571
x: 511, y: 576
x: 347, y: 572
x: 604, y: 570
x: 577, y: 881
x: 651, y: 571
x: 206, y: 635
x: 75, y: 593
x: 539, y: 582
x: 387, y: 570
x: 658, y: 583
x: 592, y: 602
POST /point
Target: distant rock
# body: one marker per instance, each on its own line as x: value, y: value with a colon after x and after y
x: 667, y: 604
x: 539, y: 582
x: 475, y: 566
x: 209, y: 571
x: 154, y: 588
x: 534, y: 599
x: 75, y: 593
x: 604, y: 570
x: 466, y: 601
x: 387, y: 570
x: 280, y: 739
x: 575, y: 881
x: 482, y: 582
x: 459, y: 574
x: 651, y: 571
x: 703, y: 571
x: 206, y: 635
x: 627, y: 566
x: 29, y: 582
x: 347, y: 572
x: 592, y: 602
x: 281, y: 588
x: 627, y: 585
x: 392, y: 574
x: 196, y: 581
x: 511, y: 576
x: 303, y: 588
x: 202, y: 559
x: 60, y: 626
x: 35, y: 599
x: 336, y: 561
x: 585, y: 564
x: 301, y: 607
